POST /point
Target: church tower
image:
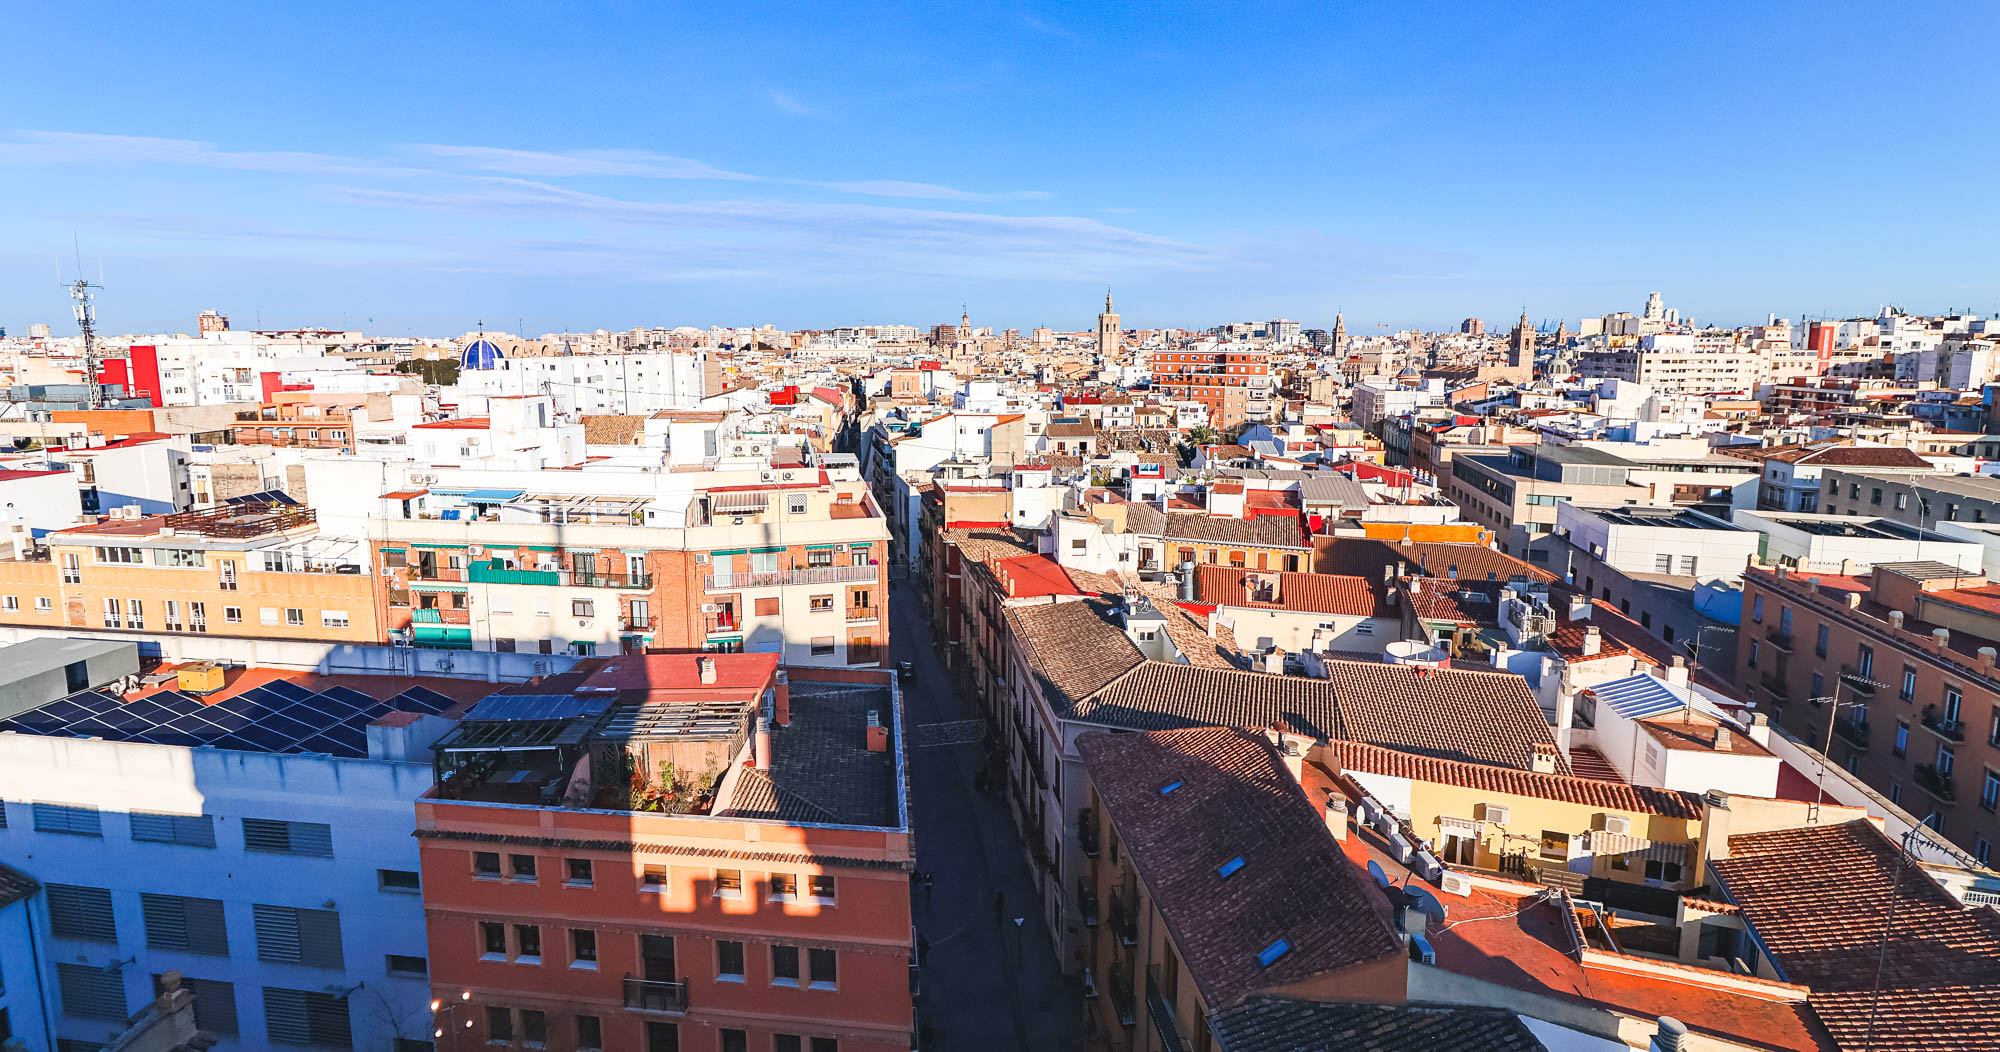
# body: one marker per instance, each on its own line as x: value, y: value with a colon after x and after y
x: 1108, y: 333
x: 1339, y: 334
x: 1521, y: 345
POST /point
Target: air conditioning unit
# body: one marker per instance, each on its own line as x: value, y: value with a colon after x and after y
x: 701, y: 559
x: 708, y: 608
x: 475, y: 549
x: 1456, y: 884
x: 1493, y: 813
x: 1420, y: 950
x: 1617, y: 825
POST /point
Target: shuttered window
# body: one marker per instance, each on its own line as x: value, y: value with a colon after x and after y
x: 187, y: 830
x: 290, y: 935
x: 287, y: 838
x: 191, y: 925
x: 214, y: 1004
x: 80, y: 913
x: 91, y: 992
x: 66, y: 818
x: 304, y: 1017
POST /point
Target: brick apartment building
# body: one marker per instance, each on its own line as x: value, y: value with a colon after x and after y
x: 1235, y: 385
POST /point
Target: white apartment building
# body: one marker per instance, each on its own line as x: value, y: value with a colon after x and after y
x: 595, y: 384
x: 1681, y: 363
x: 284, y: 887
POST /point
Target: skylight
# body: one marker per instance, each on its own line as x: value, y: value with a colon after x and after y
x: 1171, y: 786
x: 1231, y: 866
x: 1273, y: 952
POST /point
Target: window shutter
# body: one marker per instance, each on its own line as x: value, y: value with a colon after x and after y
x: 287, y: 838
x: 214, y: 1005
x: 319, y: 939
x: 65, y: 818
x: 189, y: 830
x: 277, y: 933
x: 298, y: 1017
x: 81, y: 913
x: 192, y: 925
x: 166, y: 921
x: 91, y: 992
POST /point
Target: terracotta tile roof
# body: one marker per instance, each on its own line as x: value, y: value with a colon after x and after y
x: 1074, y: 648
x: 1234, y: 798
x: 1164, y: 695
x: 1267, y: 531
x: 1478, y: 717
x: 614, y: 430
x: 989, y: 545
x: 1304, y: 592
x: 1856, y: 457
x: 1266, y: 1023
x: 1567, y: 789
x: 1366, y: 557
x: 1188, y: 629
x: 1819, y: 900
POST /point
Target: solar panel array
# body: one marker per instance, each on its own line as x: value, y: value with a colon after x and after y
x: 275, y: 717
x: 1638, y: 697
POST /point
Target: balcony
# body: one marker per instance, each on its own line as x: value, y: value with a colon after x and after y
x: 722, y: 582
x: 1086, y: 903
x: 1936, y: 783
x: 1121, y: 995
x: 857, y: 614
x: 453, y: 574
x: 1162, y: 1012
x: 1854, y: 733
x: 1086, y: 831
x: 487, y: 573
x: 1124, y: 922
x: 1946, y: 727
x: 1779, y: 638
x: 1776, y: 687
x: 723, y: 625
x: 1857, y: 681
x: 663, y: 998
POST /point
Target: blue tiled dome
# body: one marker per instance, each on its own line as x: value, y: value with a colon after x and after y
x: 480, y: 354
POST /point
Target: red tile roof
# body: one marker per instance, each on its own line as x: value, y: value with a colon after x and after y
x: 1304, y: 592
x: 1479, y: 717
x: 1356, y: 756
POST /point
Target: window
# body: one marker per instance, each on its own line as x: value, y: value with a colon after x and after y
x: 114, y: 616
x: 820, y: 603
x: 214, y: 1003
x: 582, y: 608
x: 784, y: 887
x: 499, y: 1024
x: 10, y: 603
x: 77, y: 912
x: 1982, y: 849
x: 589, y: 1033
x: 492, y: 941
x: 1754, y: 650
x: 1909, y: 687
x: 1944, y: 760
x: 333, y: 619
x: 91, y: 992
x: 765, y: 607
x: 43, y: 604
x: 1819, y: 643
x: 233, y: 614
x: 729, y: 883
x: 821, y: 968
x: 67, y: 818
x: 820, y: 887
x: 662, y: 1037
x: 822, y: 646
x: 527, y: 944
x: 582, y: 948
x: 1989, y: 791
x: 825, y: 1044
x: 728, y: 961
x: 523, y: 867
x: 1664, y: 871
x: 288, y: 838
x: 186, y: 924
x: 1954, y: 699
x: 137, y: 618
x: 1757, y: 608
x: 653, y: 878
x: 291, y: 935
x: 578, y: 870
x: 1663, y: 564
x: 1688, y: 565
x: 1818, y: 684
x: 1864, y: 661
x: 784, y: 965
x: 1902, y: 738
x: 787, y: 1043
x: 486, y: 865
x: 405, y: 965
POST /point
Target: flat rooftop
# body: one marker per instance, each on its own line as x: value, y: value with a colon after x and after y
x: 1870, y: 529
x: 1680, y: 518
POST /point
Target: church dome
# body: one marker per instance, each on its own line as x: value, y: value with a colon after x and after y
x: 480, y: 354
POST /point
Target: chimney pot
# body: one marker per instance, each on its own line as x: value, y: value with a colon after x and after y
x: 1593, y: 641
x: 1942, y: 637
x: 763, y: 744
x: 781, y: 700
x: 707, y: 666
x: 1854, y: 600
x: 1723, y: 739
x: 1895, y: 619
x: 1672, y: 1036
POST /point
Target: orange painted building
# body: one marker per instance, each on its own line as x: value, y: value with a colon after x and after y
x: 747, y: 890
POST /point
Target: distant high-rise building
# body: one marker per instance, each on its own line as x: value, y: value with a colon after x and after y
x: 1472, y: 327
x: 1283, y: 331
x: 38, y: 331
x: 211, y: 321
x: 1107, y: 329
x: 1655, y: 310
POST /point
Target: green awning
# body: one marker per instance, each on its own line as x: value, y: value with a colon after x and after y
x: 820, y: 547
x: 767, y: 551
x: 731, y: 551
x: 487, y: 573
x: 438, y: 586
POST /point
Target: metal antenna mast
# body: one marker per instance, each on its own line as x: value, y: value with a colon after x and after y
x: 86, y: 320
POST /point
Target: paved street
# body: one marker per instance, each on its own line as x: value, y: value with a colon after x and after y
x: 988, y: 985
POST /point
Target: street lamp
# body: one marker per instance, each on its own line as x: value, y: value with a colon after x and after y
x: 441, y: 1017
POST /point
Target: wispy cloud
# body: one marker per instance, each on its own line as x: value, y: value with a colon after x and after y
x: 785, y: 101
x: 1047, y: 28
x: 46, y: 147
x: 539, y: 164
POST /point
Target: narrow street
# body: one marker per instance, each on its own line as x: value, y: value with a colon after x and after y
x: 989, y: 984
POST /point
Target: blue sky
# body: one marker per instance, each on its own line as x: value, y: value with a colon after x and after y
x: 607, y: 165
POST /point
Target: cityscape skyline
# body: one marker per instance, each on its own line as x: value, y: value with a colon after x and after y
x: 629, y: 168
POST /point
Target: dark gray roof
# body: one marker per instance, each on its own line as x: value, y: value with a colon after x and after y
x: 821, y: 769
x: 1164, y: 695
x: 1268, y: 1023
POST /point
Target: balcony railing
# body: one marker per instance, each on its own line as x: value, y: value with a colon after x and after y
x: 722, y: 582
x: 1779, y: 638
x: 1857, y: 681
x: 1853, y: 733
x: 864, y: 613
x: 1162, y: 1012
x: 723, y: 626
x: 649, y: 995
x: 1086, y: 831
x: 1777, y: 687
x: 1943, y: 726
x: 490, y: 574
x: 1935, y: 782
x: 438, y: 573
x: 1121, y: 995
x: 1124, y: 922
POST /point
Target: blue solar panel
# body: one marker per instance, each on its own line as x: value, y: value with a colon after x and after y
x: 63, y: 711
x: 151, y: 711
x: 288, y: 690
x: 122, y: 721
x: 354, y: 739
x: 292, y: 729
x: 237, y: 742
x: 349, y: 695
x: 94, y: 701
x: 319, y: 743
x: 424, y: 700
x: 266, y: 737
x: 327, y: 709
x: 228, y: 721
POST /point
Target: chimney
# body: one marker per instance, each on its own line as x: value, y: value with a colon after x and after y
x: 1986, y: 658
x: 1579, y: 607
x: 1941, y: 637
x: 1846, y: 567
x: 1274, y: 661
x: 1593, y: 641
x: 1677, y: 673
x: 1336, y: 815
x: 763, y: 744
x: 1565, y: 711
x: 781, y: 700
x: 878, y: 735
x: 1896, y: 620
x: 1402, y: 570
x: 1854, y: 600
x: 1545, y: 758
x: 1760, y: 728
x: 1723, y: 738
x: 1672, y: 1037
x: 1715, y: 822
x: 707, y: 667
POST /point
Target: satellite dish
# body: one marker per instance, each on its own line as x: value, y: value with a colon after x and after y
x: 1426, y: 902
x: 1375, y: 870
